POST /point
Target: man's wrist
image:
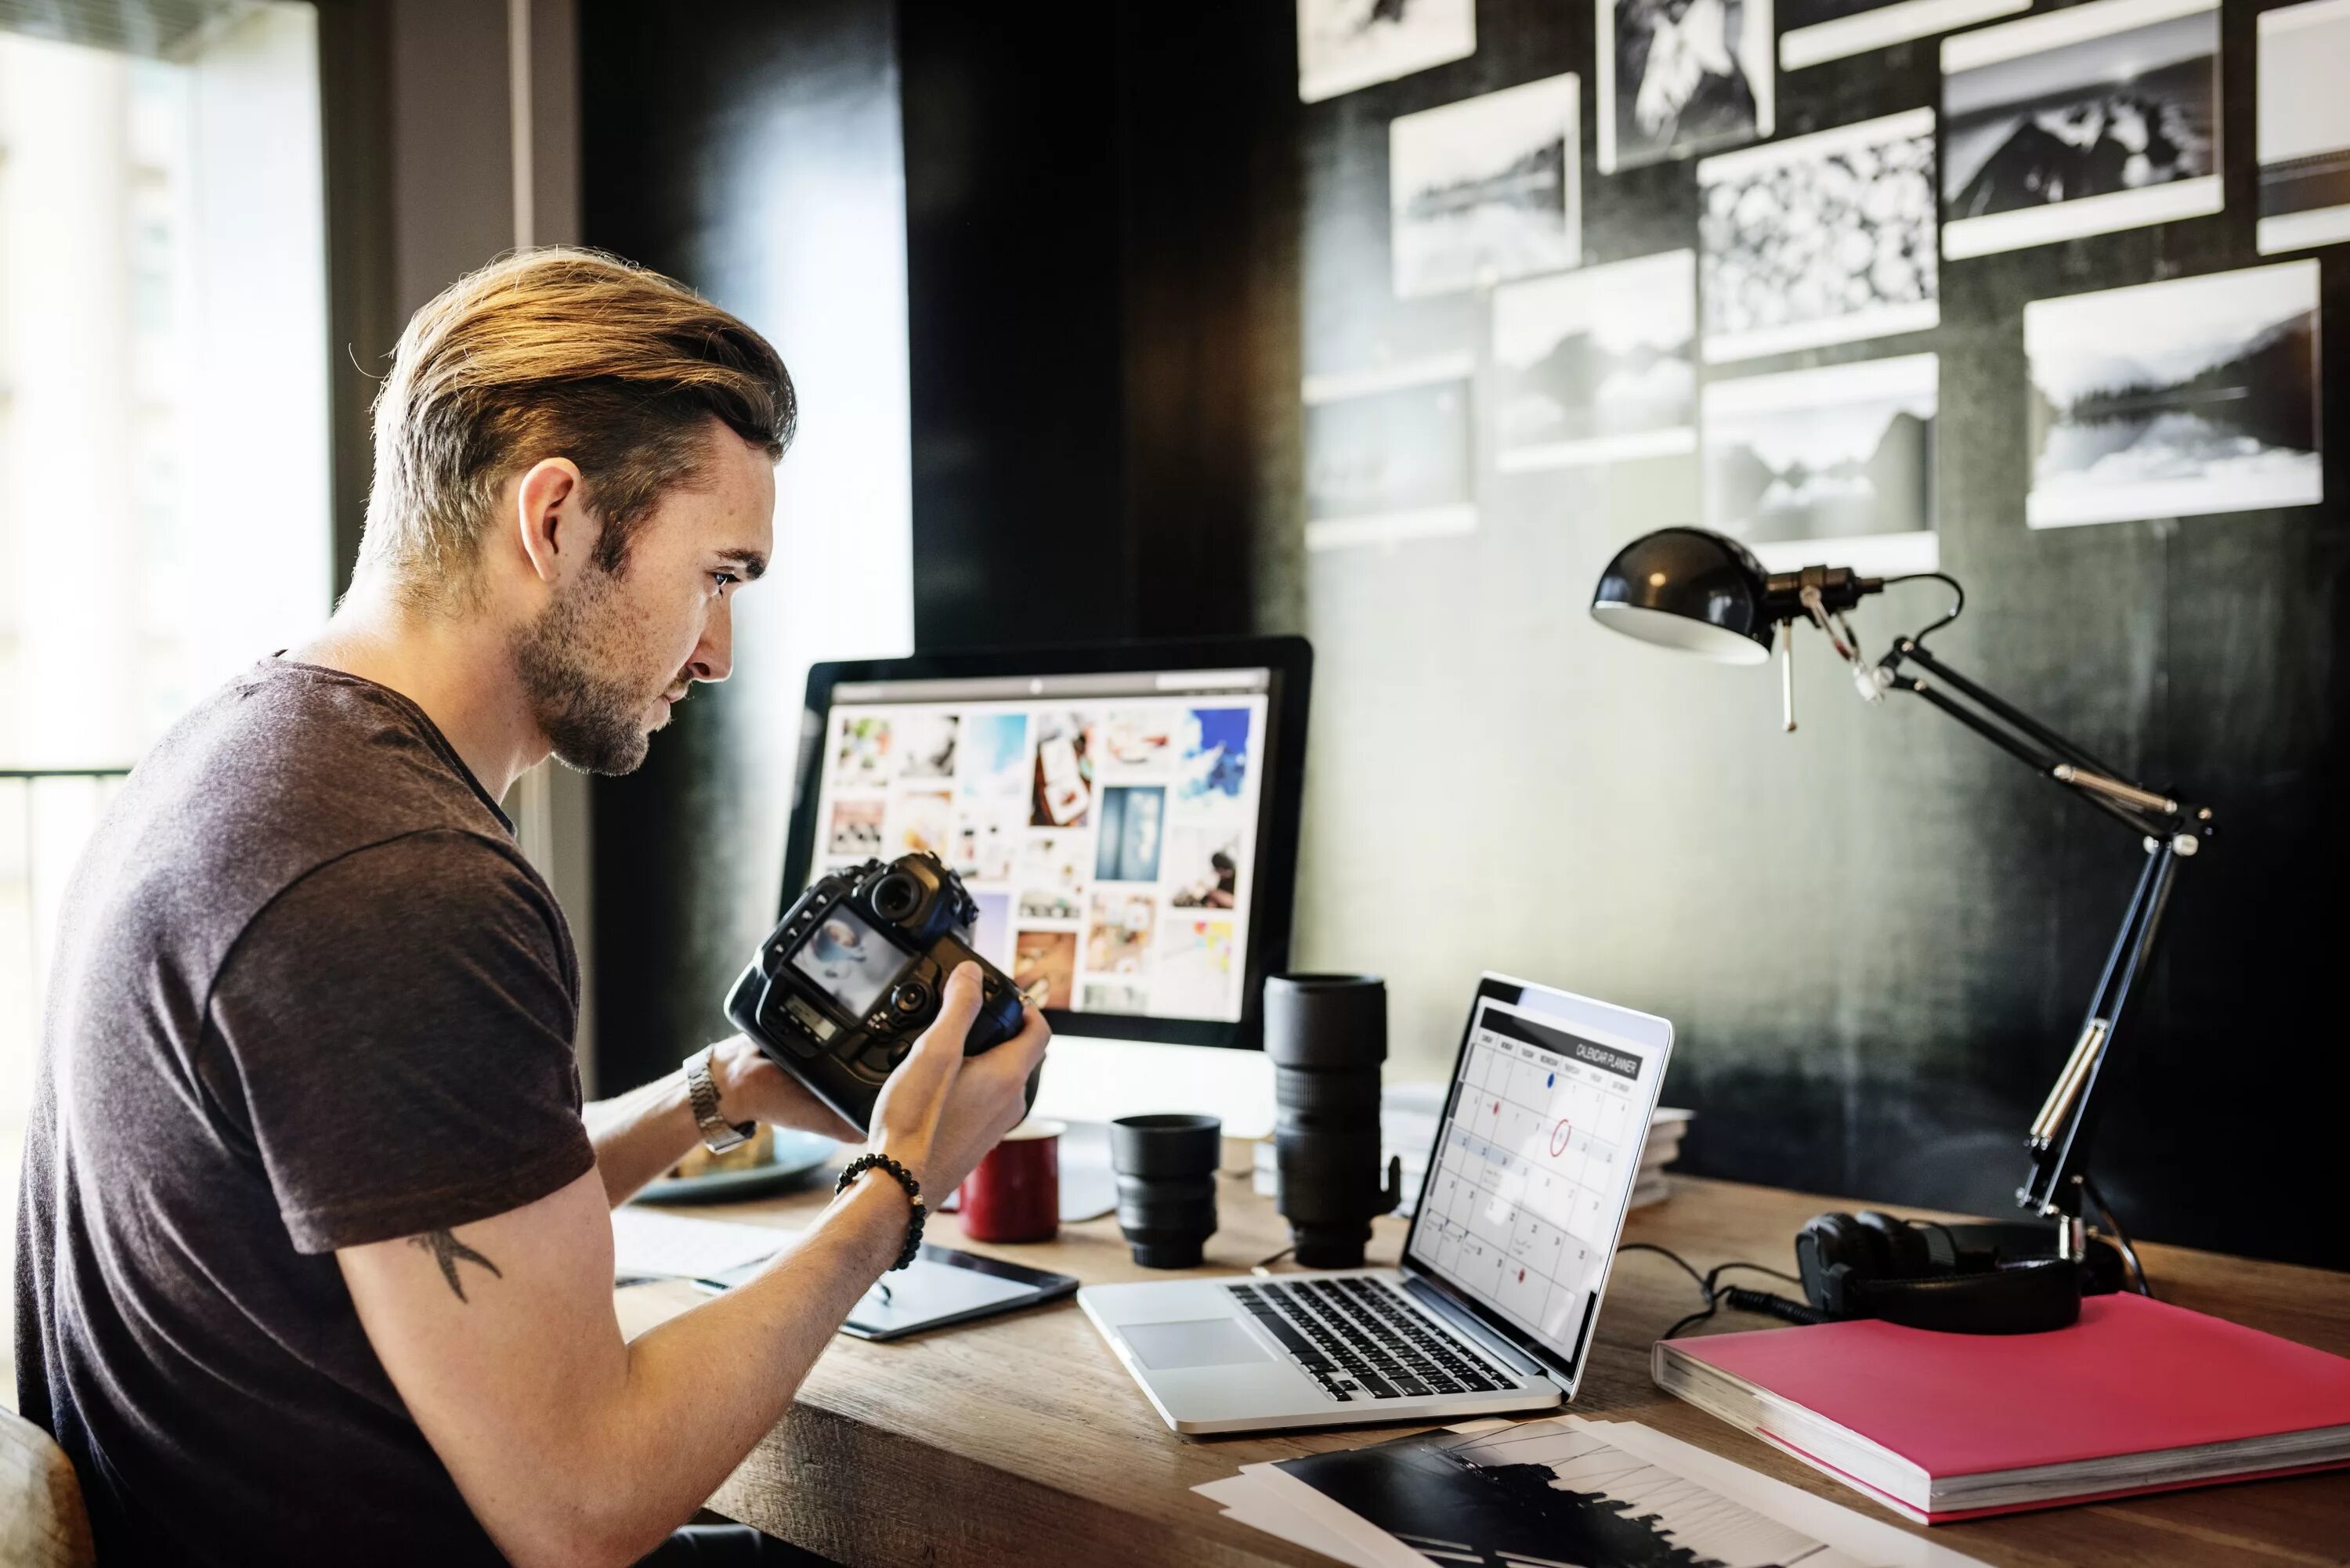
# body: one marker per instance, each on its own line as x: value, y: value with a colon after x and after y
x: 706, y: 1098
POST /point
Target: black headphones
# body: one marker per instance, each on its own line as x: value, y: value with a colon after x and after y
x: 1961, y: 1279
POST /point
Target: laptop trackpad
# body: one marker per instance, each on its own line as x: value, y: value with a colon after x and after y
x: 1208, y: 1341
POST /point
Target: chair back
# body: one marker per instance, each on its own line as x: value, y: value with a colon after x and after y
x: 42, y: 1521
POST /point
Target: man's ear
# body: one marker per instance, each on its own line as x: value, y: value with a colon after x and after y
x: 552, y: 523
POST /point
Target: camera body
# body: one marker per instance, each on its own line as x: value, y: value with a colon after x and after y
x: 852, y: 974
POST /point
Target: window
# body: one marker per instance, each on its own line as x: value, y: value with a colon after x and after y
x: 163, y: 421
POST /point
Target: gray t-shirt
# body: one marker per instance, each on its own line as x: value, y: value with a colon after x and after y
x: 306, y: 994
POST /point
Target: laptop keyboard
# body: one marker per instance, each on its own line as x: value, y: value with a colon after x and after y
x: 1360, y: 1339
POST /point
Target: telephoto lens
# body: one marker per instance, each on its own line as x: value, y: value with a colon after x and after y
x: 1327, y: 1035
x: 1166, y: 1169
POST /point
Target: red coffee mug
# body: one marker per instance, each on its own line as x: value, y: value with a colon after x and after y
x: 1014, y: 1194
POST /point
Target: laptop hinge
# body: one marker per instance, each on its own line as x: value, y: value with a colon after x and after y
x: 1459, y: 1317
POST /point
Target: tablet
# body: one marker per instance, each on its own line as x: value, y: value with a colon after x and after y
x: 940, y: 1286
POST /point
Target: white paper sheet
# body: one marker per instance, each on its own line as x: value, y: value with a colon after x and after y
x: 647, y: 1243
x: 1241, y: 1497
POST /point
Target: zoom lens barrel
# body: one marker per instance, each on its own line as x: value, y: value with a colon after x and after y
x: 1327, y: 1035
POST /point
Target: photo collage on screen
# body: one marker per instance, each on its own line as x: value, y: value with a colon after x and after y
x: 1109, y: 842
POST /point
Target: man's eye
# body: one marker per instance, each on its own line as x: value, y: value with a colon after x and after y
x: 724, y: 579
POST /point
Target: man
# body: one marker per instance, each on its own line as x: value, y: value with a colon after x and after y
x: 315, y: 1263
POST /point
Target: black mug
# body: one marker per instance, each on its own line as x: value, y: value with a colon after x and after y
x: 1327, y: 1035
x: 1166, y: 1169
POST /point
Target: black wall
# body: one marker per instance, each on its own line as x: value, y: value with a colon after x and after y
x: 1100, y: 223
x: 1127, y: 239
x: 1878, y: 935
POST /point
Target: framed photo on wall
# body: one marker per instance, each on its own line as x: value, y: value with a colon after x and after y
x: 1343, y: 44
x: 1487, y: 189
x: 2305, y: 126
x: 1832, y: 466
x: 2081, y: 121
x: 2171, y: 400
x: 1820, y: 239
x: 1819, y: 31
x: 1679, y: 78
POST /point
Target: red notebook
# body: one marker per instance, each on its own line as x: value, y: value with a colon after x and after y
x: 2137, y: 1396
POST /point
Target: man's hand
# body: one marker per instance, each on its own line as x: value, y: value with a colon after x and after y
x: 941, y: 1111
x: 752, y: 1088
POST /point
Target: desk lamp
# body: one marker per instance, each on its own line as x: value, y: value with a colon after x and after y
x: 1704, y: 592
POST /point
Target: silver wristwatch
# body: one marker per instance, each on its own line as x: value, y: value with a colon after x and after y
x: 718, y: 1134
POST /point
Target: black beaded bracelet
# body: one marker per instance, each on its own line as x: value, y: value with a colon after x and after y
x: 865, y: 1162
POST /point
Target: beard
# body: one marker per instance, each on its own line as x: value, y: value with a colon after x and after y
x: 592, y: 715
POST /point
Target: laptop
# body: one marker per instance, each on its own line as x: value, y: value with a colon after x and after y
x: 1503, y: 1272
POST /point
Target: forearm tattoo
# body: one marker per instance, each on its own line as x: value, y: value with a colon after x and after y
x: 449, y: 1252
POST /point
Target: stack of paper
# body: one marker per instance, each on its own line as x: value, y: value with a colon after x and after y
x: 1602, y: 1494
x: 647, y: 1245
x: 1408, y: 1114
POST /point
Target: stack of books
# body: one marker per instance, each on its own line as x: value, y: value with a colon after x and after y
x: 1408, y: 1114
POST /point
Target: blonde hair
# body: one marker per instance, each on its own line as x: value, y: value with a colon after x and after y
x: 555, y: 353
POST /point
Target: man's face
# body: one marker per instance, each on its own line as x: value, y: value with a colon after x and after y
x: 603, y: 665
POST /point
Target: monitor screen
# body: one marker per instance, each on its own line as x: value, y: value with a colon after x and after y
x: 1535, y: 1163
x: 1112, y: 825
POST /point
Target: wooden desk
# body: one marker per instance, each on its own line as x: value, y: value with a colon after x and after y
x: 1020, y: 1439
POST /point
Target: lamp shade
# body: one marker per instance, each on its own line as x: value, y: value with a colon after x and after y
x: 1688, y: 589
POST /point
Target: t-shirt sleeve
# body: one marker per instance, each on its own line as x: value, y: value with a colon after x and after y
x: 396, y: 1028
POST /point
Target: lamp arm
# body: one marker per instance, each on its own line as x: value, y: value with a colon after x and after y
x: 2146, y: 812
x: 2060, y: 1134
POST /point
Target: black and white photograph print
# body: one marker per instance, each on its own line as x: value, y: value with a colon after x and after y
x: 2082, y: 121
x: 1817, y: 31
x: 1832, y: 466
x: 1391, y: 453
x: 2176, y: 399
x: 2303, y: 134
x: 1596, y: 364
x: 1682, y: 76
x: 1548, y: 1491
x: 1487, y: 189
x: 1343, y: 44
x: 1819, y: 239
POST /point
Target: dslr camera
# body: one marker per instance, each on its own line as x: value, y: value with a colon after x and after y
x: 853, y: 972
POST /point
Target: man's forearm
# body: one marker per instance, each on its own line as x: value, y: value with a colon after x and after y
x: 705, y: 1386
x: 641, y: 1133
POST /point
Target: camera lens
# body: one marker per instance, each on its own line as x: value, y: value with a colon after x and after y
x: 896, y: 897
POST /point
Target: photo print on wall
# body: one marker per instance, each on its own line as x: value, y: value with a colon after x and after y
x: 1596, y: 364
x: 2176, y: 399
x: 1390, y: 454
x: 2305, y: 126
x: 1681, y: 77
x: 1818, y: 31
x: 2082, y: 121
x: 1343, y: 44
x: 1832, y: 466
x: 1821, y: 239
x: 1487, y: 189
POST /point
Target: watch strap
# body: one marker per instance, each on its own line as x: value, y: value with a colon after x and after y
x: 718, y: 1134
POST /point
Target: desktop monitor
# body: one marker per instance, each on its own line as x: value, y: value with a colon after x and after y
x: 1126, y: 816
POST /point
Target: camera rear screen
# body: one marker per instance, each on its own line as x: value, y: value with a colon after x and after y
x: 854, y: 963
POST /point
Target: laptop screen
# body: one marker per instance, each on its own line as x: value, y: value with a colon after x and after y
x: 1536, y: 1160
